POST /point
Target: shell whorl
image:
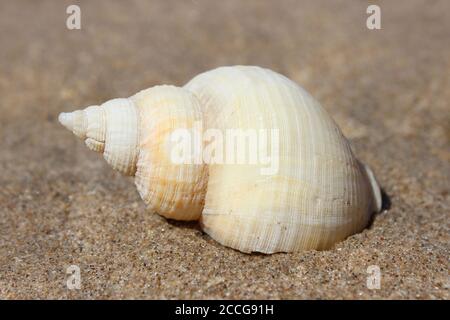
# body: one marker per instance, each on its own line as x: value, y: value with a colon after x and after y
x: 111, y: 129
x: 134, y: 135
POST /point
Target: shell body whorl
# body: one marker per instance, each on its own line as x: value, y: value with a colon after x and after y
x: 311, y: 193
x: 320, y: 194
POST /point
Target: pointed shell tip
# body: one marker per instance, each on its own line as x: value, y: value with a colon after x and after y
x: 66, y: 119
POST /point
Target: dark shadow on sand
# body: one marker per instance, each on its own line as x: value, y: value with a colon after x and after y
x: 385, y: 206
x: 193, y: 225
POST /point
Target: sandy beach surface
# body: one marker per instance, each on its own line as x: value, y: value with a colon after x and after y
x: 61, y: 205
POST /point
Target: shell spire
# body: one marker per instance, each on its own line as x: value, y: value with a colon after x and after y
x: 66, y: 119
x: 110, y: 129
x: 75, y: 121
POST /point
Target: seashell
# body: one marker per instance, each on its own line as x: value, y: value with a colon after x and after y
x: 317, y: 194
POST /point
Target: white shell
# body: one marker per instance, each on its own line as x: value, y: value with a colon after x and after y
x: 320, y: 193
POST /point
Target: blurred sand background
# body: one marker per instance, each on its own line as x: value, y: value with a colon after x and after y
x: 60, y: 204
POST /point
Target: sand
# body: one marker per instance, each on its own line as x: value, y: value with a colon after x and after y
x: 61, y: 205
